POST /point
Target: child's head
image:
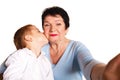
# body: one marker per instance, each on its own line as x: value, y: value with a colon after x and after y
x: 27, y: 35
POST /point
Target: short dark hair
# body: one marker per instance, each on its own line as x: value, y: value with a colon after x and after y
x: 55, y: 10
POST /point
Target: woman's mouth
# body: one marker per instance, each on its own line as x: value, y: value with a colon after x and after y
x: 53, y: 34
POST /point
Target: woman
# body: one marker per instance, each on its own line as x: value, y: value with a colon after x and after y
x: 70, y: 59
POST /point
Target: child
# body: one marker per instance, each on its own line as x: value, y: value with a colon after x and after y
x: 28, y: 62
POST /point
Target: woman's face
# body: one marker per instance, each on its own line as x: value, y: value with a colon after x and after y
x: 54, y: 28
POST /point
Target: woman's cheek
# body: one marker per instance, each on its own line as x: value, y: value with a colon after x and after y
x: 46, y: 35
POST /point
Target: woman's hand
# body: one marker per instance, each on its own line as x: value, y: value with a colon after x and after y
x: 112, y: 69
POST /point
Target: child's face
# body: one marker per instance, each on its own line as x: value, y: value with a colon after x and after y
x: 38, y: 37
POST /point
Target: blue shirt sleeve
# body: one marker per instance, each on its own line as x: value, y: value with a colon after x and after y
x: 85, y: 60
x: 2, y: 67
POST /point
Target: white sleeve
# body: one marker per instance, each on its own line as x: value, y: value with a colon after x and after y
x: 50, y: 73
x: 15, y: 67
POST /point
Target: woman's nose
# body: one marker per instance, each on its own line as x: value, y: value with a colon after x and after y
x: 52, y: 28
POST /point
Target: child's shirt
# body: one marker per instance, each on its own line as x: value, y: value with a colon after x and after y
x: 23, y: 65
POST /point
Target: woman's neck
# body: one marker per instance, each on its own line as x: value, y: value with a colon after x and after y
x: 58, y: 44
x: 57, y: 50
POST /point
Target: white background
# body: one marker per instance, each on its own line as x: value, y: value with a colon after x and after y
x: 94, y: 22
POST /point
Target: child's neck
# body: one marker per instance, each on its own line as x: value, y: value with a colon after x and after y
x: 36, y: 51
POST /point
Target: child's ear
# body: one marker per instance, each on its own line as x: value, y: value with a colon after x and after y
x: 28, y: 37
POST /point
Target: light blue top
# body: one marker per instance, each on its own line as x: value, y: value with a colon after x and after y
x: 75, y: 61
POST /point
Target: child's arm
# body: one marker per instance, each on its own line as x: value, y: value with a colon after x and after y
x: 1, y: 76
x: 50, y: 73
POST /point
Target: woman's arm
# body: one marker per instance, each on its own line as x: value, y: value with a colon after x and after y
x: 97, y: 71
x: 111, y: 71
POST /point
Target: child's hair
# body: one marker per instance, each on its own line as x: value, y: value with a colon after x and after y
x: 19, y: 36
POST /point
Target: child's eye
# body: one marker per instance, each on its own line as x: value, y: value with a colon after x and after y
x: 39, y: 31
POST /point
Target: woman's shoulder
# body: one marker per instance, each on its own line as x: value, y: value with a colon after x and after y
x: 75, y: 42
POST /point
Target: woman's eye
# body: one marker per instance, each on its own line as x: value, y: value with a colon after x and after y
x: 46, y: 25
x: 58, y: 24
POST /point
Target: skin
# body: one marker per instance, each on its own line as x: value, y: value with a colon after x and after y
x: 1, y: 77
x: 112, y: 70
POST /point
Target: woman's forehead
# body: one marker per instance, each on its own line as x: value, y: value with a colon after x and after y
x: 53, y: 18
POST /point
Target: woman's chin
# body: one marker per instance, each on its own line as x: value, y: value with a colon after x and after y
x: 52, y: 41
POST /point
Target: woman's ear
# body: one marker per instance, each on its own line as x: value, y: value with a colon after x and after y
x: 28, y: 38
x: 66, y: 31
